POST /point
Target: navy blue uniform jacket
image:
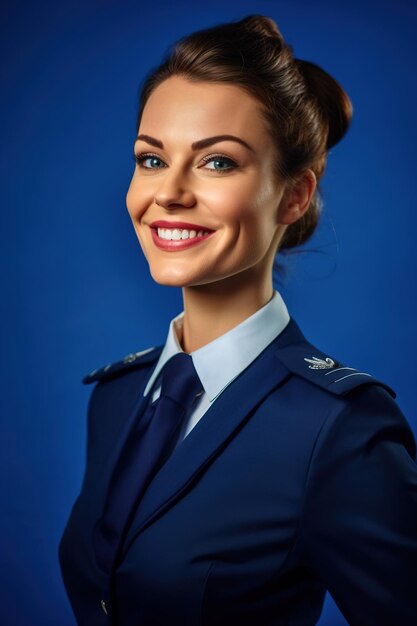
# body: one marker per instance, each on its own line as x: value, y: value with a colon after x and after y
x: 301, y: 477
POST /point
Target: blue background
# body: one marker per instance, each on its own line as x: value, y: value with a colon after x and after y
x: 77, y: 292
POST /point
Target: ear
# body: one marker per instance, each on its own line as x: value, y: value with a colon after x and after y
x: 297, y: 197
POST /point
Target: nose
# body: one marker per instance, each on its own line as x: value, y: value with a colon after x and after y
x: 174, y: 192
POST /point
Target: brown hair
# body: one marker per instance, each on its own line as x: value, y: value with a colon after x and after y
x: 306, y: 110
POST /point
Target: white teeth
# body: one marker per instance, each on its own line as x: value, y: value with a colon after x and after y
x: 180, y: 233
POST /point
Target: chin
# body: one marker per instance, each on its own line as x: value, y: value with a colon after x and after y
x: 169, y: 279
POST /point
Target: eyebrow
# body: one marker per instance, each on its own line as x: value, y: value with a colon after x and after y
x: 197, y: 145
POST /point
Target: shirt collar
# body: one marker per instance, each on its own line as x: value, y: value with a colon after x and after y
x: 235, y: 350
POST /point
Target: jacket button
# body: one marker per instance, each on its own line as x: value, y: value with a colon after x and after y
x: 103, y: 606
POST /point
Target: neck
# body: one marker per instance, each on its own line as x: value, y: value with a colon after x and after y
x: 213, y: 309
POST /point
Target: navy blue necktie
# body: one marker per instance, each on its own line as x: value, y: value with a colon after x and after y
x: 145, y: 451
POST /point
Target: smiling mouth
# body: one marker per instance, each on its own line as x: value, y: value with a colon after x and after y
x: 178, y: 238
x: 177, y: 234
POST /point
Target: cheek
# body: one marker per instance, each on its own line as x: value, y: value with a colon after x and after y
x: 135, y: 200
x: 234, y: 205
x: 250, y: 216
x: 130, y: 199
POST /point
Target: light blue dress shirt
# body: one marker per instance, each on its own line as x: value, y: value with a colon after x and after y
x: 219, y: 362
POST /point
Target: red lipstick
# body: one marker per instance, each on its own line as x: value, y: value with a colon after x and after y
x: 187, y: 225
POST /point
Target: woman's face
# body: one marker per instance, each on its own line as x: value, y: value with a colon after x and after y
x: 223, y: 187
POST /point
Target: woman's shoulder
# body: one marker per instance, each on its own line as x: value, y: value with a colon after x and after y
x: 304, y: 360
x: 132, y: 360
x: 317, y: 367
x: 351, y: 405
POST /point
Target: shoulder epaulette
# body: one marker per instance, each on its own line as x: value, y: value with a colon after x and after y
x: 134, y: 359
x: 306, y: 361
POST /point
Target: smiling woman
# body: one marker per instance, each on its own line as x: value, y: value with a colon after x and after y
x: 233, y: 194
x: 236, y: 472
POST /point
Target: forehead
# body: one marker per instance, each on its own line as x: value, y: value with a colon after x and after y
x: 180, y: 110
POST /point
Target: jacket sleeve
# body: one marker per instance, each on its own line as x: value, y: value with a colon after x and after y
x: 359, y: 525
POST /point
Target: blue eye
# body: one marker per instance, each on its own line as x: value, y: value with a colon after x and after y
x: 218, y: 158
x: 140, y: 158
x: 215, y: 158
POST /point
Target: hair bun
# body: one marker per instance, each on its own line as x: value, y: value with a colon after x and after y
x: 333, y: 101
x: 262, y: 25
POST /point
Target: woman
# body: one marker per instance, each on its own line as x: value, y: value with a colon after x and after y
x: 288, y: 473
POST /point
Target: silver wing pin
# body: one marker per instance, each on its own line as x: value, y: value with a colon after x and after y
x: 320, y: 364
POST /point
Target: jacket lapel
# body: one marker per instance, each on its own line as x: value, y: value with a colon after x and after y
x: 216, y: 427
x: 117, y: 444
